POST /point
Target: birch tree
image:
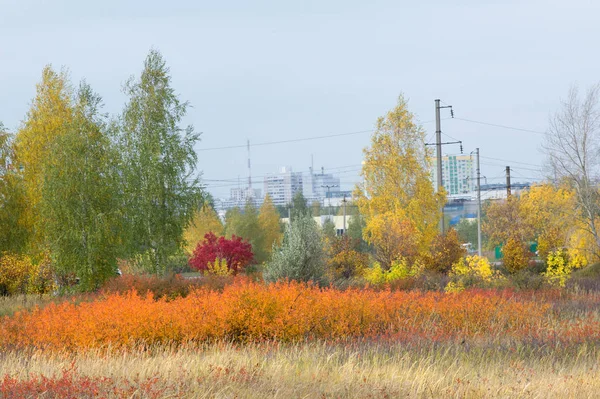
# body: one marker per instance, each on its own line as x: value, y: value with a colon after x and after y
x: 79, y: 196
x: 397, y: 198
x: 158, y: 163
x: 572, y: 145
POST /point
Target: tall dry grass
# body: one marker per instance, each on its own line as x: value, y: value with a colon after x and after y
x: 308, y: 370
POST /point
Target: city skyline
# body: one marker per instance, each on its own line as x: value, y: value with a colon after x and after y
x: 271, y: 71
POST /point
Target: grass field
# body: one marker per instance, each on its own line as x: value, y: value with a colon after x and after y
x: 250, y: 340
x: 311, y: 370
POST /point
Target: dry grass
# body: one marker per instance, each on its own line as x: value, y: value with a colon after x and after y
x: 320, y: 370
x: 11, y: 304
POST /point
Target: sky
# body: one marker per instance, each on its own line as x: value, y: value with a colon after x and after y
x: 269, y: 71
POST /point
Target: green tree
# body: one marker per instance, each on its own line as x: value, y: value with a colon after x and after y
x: 13, y: 235
x: 467, y: 231
x: 79, y: 203
x: 158, y: 161
x: 50, y: 112
x: 301, y: 255
x: 356, y: 224
x: 270, y: 226
x: 299, y: 205
x: 328, y: 229
x: 397, y: 198
x: 246, y: 224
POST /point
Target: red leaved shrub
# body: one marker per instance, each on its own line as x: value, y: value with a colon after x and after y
x: 236, y: 252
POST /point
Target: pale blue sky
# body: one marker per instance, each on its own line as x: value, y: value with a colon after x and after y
x: 277, y: 70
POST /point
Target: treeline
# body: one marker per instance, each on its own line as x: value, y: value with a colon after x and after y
x: 80, y: 189
x: 84, y: 194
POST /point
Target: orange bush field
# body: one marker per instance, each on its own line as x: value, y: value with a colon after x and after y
x: 248, y: 311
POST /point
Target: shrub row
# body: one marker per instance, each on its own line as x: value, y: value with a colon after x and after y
x: 247, y: 311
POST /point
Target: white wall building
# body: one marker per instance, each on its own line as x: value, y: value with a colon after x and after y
x: 458, y: 174
x: 282, y: 186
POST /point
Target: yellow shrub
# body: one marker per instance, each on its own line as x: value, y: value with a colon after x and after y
x: 219, y: 268
x: 475, y: 265
x: 375, y: 275
x: 561, y: 263
x: 19, y: 275
x: 469, y: 271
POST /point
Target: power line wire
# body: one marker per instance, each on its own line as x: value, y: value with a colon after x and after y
x: 508, y: 160
x: 298, y: 139
x: 501, y: 126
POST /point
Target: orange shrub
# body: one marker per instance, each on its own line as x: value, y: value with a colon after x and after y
x: 248, y: 311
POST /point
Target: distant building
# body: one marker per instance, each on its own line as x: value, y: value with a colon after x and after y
x: 338, y: 222
x: 458, y: 174
x: 238, y: 197
x: 242, y: 195
x: 315, y: 186
x: 282, y: 186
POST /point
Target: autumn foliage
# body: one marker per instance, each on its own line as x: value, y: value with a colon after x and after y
x: 236, y: 252
x: 287, y: 312
x: 445, y: 251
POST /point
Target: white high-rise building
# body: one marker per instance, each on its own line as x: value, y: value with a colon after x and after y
x: 457, y: 174
x: 282, y: 186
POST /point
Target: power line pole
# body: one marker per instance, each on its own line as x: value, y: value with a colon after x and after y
x: 328, y: 186
x: 438, y: 149
x: 507, y: 182
x: 478, y: 205
x: 344, y: 230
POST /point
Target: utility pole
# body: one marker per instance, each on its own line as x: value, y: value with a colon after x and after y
x: 438, y: 149
x: 478, y: 205
x: 328, y: 186
x: 344, y: 230
x: 507, y: 182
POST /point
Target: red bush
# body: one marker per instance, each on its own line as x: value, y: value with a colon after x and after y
x: 236, y: 252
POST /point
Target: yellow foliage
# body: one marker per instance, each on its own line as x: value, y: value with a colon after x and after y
x: 397, y: 186
x: 470, y: 270
x: 204, y: 220
x: 394, y: 237
x: 19, y: 275
x: 550, y: 212
x: 560, y: 264
x: 475, y: 265
x: 219, y: 268
x: 376, y: 275
x: 268, y: 220
x: 516, y: 255
x: 50, y: 112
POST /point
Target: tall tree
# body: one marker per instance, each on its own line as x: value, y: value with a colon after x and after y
x: 270, y: 226
x: 397, y: 195
x: 245, y: 224
x: 551, y: 213
x: 205, y: 220
x: 572, y: 145
x: 356, y: 224
x: 299, y: 205
x: 50, y: 112
x: 13, y: 235
x: 79, y: 203
x: 157, y: 164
